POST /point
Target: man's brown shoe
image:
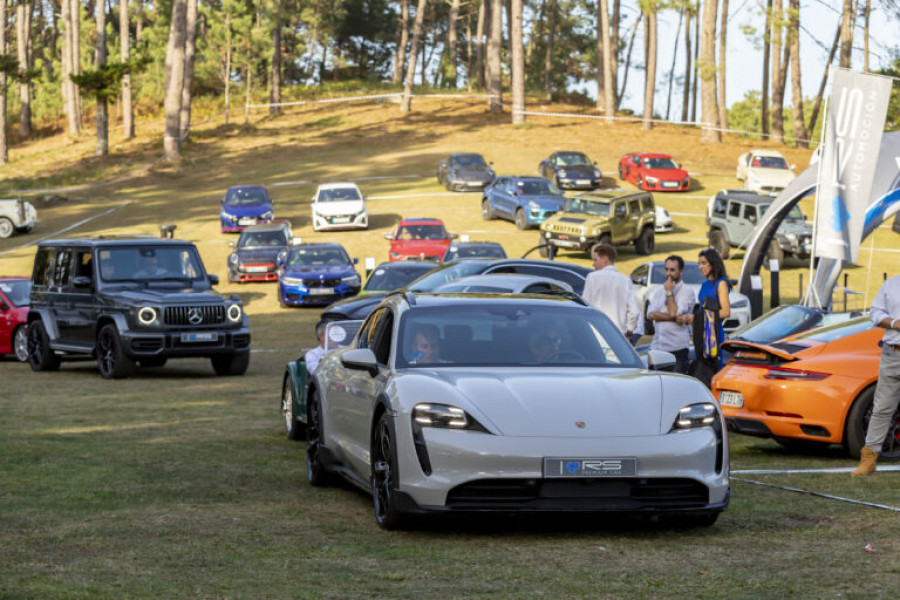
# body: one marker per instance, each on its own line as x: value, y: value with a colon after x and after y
x: 867, y: 460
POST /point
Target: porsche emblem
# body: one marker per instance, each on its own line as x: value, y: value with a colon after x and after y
x: 580, y: 424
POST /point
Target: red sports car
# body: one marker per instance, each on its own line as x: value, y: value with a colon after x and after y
x: 419, y: 239
x: 14, y: 294
x: 654, y: 172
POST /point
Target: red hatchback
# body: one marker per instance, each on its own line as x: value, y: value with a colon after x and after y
x: 419, y: 239
x: 654, y: 172
x: 14, y: 294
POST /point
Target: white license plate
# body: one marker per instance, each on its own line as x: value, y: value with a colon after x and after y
x: 583, y: 182
x: 670, y: 184
x: 735, y: 399
x: 256, y: 269
x: 321, y: 291
x: 570, y: 468
x: 246, y: 221
x: 338, y: 220
x: 200, y: 337
x: 566, y: 243
x: 474, y: 183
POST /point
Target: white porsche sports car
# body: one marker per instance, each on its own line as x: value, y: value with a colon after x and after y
x: 454, y: 403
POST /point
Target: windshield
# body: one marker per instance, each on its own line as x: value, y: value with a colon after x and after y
x: 447, y: 273
x: 246, y: 196
x: 393, y: 278
x: 148, y: 263
x: 769, y: 162
x: 778, y: 323
x: 580, y: 205
x: 468, y: 161
x: 691, y: 274
x: 571, y: 159
x: 511, y: 334
x: 659, y: 163
x: 480, y: 251
x: 254, y: 239
x: 537, y: 187
x: 16, y: 291
x: 314, y: 257
x: 421, y: 232
x: 339, y: 194
x: 836, y: 332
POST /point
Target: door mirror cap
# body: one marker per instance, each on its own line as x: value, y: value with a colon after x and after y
x: 213, y: 279
x: 658, y: 360
x: 361, y: 359
x: 82, y: 282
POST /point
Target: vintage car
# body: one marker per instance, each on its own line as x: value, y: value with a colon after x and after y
x: 16, y: 215
x: 654, y: 172
x: 509, y: 403
x: 339, y: 206
x: 526, y: 201
x: 258, y: 251
x: 317, y: 275
x: 571, y: 171
x: 419, y: 238
x: 245, y: 205
x: 613, y: 217
x: 464, y: 171
x: 14, y: 297
x: 764, y: 171
x: 807, y: 390
x: 127, y: 300
x: 459, y: 250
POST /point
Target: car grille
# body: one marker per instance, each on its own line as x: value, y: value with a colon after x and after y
x: 569, y: 229
x: 586, y: 494
x: 320, y: 283
x: 181, y: 315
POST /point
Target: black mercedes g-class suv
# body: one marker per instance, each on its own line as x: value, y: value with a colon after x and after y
x: 134, y: 299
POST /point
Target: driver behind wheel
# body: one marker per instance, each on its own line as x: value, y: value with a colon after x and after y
x: 544, y: 341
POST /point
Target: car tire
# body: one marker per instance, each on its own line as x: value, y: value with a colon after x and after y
x: 556, y: 181
x: 858, y: 424
x: 646, y: 242
x: 153, y: 362
x: 718, y: 242
x: 228, y: 365
x: 20, y: 343
x: 384, y: 476
x: 521, y: 221
x: 293, y: 429
x: 487, y: 212
x: 316, y: 472
x: 649, y: 326
x: 640, y: 183
x: 40, y: 355
x: 543, y: 249
x: 621, y: 173
x: 6, y: 228
x: 112, y: 363
x: 775, y: 253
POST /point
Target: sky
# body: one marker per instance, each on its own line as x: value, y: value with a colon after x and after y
x: 818, y: 20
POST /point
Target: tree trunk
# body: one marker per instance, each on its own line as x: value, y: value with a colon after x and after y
x: 778, y: 69
x: 696, y: 66
x: 553, y: 9
x: 688, y: 68
x: 4, y: 142
x: 600, y: 37
x: 720, y: 69
x: 139, y: 23
x: 406, y: 103
x: 127, y: 104
x: 494, y: 51
x: 75, y: 6
x: 815, y: 111
x: 800, y: 134
x: 402, y: 41
x: 275, y: 88
x: 249, y: 71
x: 174, y: 81
x: 452, y: 44
x: 609, y: 83
x: 866, y: 12
x: 469, y: 53
x: 190, y: 49
x: 479, y: 45
x: 23, y: 41
x: 710, y: 130
x: 614, y: 46
x: 846, y: 34
x: 517, y: 58
x: 634, y: 28
x: 767, y: 47
x: 650, y: 73
x: 672, y: 69
x: 100, y: 60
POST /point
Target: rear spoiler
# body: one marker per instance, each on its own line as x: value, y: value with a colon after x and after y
x: 756, y: 354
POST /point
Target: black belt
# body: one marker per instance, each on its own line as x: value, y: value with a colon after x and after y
x: 894, y: 346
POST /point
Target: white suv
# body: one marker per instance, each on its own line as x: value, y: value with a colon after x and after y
x: 339, y: 206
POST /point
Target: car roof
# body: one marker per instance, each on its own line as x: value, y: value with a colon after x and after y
x: 271, y: 226
x: 765, y: 152
x: 247, y: 186
x: 464, y: 154
x: 750, y: 198
x: 338, y: 186
x: 125, y: 240
x: 650, y: 155
x: 420, y: 221
x: 430, y: 299
x: 317, y: 245
x: 473, y: 244
x: 512, y: 279
x: 607, y: 196
x: 425, y: 265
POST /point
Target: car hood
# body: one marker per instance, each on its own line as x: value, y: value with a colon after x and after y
x: 259, y: 254
x: 356, y: 307
x: 576, y: 219
x: 479, y: 173
x: 246, y: 210
x: 168, y: 296
x: 323, y: 271
x: 578, y: 171
x: 416, y: 247
x: 795, y: 227
x: 780, y: 177
x: 666, y: 174
x: 549, y: 401
x: 339, y: 207
x: 545, y: 202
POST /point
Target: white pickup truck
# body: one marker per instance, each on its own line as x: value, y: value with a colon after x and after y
x: 16, y: 215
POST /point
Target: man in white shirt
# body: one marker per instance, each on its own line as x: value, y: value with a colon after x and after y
x: 669, y: 301
x: 611, y: 292
x: 885, y: 313
x: 312, y: 357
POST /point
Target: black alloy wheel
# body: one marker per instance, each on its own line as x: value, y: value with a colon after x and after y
x: 40, y: 355
x: 384, y: 474
x: 292, y: 427
x: 521, y: 221
x: 111, y: 359
x: 315, y: 470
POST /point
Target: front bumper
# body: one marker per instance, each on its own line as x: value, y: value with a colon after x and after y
x: 575, y: 183
x: 568, y: 240
x: 466, y: 185
x: 334, y: 222
x: 232, y: 224
x: 668, y: 185
x: 301, y: 295
x: 250, y: 272
x: 186, y: 343
x: 536, y: 216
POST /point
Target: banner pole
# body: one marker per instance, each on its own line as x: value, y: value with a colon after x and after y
x: 811, y: 291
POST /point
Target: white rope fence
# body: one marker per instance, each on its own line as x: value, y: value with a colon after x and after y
x: 369, y: 97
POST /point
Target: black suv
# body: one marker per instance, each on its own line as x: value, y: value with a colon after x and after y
x: 131, y: 299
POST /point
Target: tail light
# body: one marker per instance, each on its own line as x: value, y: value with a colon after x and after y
x: 784, y: 374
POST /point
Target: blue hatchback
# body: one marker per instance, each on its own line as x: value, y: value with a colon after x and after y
x: 245, y: 205
x: 526, y: 201
x: 317, y: 274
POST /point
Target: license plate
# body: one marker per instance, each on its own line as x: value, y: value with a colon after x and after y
x: 246, y: 221
x: 583, y: 182
x: 670, y: 184
x: 340, y: 220
x: 580, y: 468
x: 567, y: 243
x: 199, y: 337
x: 474, y: 183
x: 256, y: 269
x: 321, y: 291
x: 735, y: 399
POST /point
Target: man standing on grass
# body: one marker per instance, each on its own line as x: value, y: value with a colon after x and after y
x: 611, y: 292
x: 669, y: 301
x: 313, y: 356
x: 885, y: 314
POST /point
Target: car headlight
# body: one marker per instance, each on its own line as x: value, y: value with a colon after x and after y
x: 696, y: 415
x: 791, y: 236
x: 651, y: 180
x: 583, y: 230
x: 396, y: 255
x: 352, y: 280
x: 227, y: 215
x: 742, y: 303
x: 269, y: 214
x: 597, y: 173
x: 533, y: 205
x: 291, y: 281
x: 147, y: 315
x: 234, y: 312
x: 443, y: 416
x: 233, y: 258
x: 562, y: 173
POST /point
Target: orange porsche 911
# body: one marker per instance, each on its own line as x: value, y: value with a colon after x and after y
x: 811, y: 388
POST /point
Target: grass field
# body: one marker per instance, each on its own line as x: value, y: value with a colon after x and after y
x: 178, y: 484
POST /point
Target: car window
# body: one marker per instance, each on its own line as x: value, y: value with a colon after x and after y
x: 777, y: 323
x: 446, y: 274
x: 479, y: 251
x: 836, y: 332
x: 719, y: 205
x: 392, y: 278
x: 750, y: 213
x: 247, y: 196
x: 383, y: 335
x: 647, y: 202
x: 148, y: 263
x: 62, y: 267
x: 572, y: 159
x: 734, y: 209
x: 339, y: 194
x: 659, y: 163
x: 541, y: 288
x: 40, y: 275
x: 16, y: 291
x: 537, y: 187
x: 620, y: 209
x: 82, y: 266
x: 470, y: 161
x: 634, y: 206
x: 311, y: 256
x: 573, y: 279
x: 770, y: 162
x: 365, y: 338
x: 639, y: 275
x: 261, y: 239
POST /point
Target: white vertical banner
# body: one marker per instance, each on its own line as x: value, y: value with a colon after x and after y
x: 853, y: 130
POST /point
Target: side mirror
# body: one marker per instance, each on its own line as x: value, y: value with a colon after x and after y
x: 454, y: 236
x: 355, y: 261
x: 231, y: 244
x: 361, y: 359
x: 643, y: 280
x: 793, y: 167
x: 658, y: 360
x: 82, y: 282
x: 595, y: 162
x: 491, y: 163
x: 678, y: 165
x: 3, y: 305
x: 213, y: 279
x: 296, y: 241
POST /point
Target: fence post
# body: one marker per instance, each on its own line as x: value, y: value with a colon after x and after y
x: 800, y: 291
x: 775, y: 289
x: 846, y: 281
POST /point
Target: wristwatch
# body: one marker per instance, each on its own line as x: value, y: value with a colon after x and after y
x: 669, y: 294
